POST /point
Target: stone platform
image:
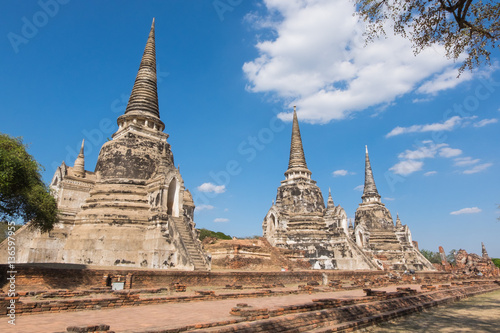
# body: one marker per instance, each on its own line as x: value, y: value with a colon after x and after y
x: 317, y: 311
x: 32, y: 277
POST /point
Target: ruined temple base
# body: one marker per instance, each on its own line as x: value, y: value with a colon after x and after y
x: 314, y: 311
x: 31, y: 277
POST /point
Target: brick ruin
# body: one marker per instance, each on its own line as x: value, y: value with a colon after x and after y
x: 253, y: 255
x: 469, y: 264
x: 133, y: 210
x: 299, y: 220
x: 44, y: 288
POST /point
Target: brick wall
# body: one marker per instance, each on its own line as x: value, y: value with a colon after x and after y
x: 35, y: 277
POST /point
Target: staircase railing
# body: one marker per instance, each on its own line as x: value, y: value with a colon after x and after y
x: 177, y: 225
x: 362, y: 254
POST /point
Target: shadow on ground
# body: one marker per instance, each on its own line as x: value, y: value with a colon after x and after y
x: 476, y: 314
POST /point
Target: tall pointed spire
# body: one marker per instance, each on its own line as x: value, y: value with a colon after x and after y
x: 79, y: 166
x: 483, y: 251
x: 142, y: 108
x: 330, y: 203
x: 144, y: 96
x: 398, y: 221
x: 370, y: 192
x: 297, y: 162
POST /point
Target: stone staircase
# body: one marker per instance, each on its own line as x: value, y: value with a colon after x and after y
x: 190, y: 244
x: 115, y: 203
x: 384, y: 240
x: 360, y: 254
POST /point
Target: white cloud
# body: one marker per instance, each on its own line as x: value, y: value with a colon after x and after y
x: 428, y: 151
x: 473, y: 163
x: 449, y: 152
x: 447, y: 125
x: 359, y: 188
x: 406, y: 167
x: 464, y: 161
x: 471, y: 210
x: 477, y: 168
x: 313, y: 55
x: 412, y: 160
x: 389, y: 199
x: 209, y: 187
x: 421, y: 100
x: 444, y: 81
x: 485, y: 122
x: 221, y: 219
x: 341, y: 173
x: 204, y: 207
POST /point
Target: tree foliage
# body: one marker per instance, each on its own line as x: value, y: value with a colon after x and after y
x: 23, y: 194
x: 204, y: 233
x: 496, y: 261
x: 4, y: 228
x: 433, y: 257
x: 468, y: 27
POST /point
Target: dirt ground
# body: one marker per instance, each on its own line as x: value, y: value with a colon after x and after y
x: 476, y: 314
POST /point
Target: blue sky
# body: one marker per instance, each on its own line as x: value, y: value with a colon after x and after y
x: 229, y: 73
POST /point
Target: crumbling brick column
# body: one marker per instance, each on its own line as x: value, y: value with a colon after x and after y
x: 105, y: 278
x: 128, y: 281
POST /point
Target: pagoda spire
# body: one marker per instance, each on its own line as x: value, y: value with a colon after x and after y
x: 398, y: 221
x: 483, y: 251
x: 79, y: 166
x: 370, y: 192
x: 144, y: 97
x: 297, y: 165
x: 330, y: 203
x: 143, y: 101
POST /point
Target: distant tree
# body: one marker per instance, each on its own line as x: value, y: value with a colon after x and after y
x: 496, y: 261
x: 252, y: 237
x: 23, y: 194
x: 433, y: 257
x: 204, y: 233
x: 470, y: 27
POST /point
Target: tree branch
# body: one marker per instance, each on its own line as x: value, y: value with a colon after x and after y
x: 481, y: 31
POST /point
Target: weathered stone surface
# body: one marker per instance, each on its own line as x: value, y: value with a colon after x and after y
x: 253, y: 255
x: 472, y: 264
x: 133, y: 156
x: 390, y: 245
x: 442, y: 254
x: 133, y: 210
x: 483, y: 251
x: 301, y: 196
x: 299, y: 220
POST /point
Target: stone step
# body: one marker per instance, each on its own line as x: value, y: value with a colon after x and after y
x: 384, y: 241
x: 383, y: 236
x: 189, y: 243
x: 115, y: 204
